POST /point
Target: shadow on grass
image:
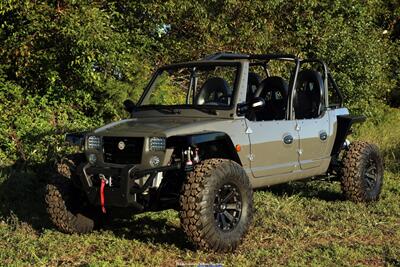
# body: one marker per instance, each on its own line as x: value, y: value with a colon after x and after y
x: 22, y: 194
x: 322, y: 190
x: 147, y: 229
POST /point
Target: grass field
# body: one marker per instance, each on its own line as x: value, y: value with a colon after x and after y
x: 295, y: 224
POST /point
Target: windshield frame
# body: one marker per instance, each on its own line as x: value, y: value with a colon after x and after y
x: 235, y: 88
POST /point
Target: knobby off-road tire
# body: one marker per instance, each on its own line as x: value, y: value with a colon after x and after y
x: 216, y: 205
x: 68, y: 165
x: 362, y: 173
x: 66, y: 205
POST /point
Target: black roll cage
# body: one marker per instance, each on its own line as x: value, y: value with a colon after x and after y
x: 227, y: 58
x: 263, y: 59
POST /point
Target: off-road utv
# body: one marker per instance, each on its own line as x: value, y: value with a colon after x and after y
x: 203, y: 135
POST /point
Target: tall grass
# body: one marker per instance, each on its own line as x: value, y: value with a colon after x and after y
x: 386, y: 134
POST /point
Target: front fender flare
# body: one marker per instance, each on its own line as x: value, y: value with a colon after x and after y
x: 203, y: 139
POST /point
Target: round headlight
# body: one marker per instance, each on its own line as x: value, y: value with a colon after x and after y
x: 154, y: 161
x: 92, y: 159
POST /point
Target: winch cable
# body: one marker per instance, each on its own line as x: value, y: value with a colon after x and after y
x: 102, y: 186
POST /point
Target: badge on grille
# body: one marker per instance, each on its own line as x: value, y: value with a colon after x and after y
x: 121, y: 145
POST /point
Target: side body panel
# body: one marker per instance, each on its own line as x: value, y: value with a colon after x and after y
x: 307, y: 157
x: 269, y: 154
x: 316, y: 140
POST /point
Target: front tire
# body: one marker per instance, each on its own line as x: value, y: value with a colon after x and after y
x: 67, y: 206
x: 362, y: 173
x: 216, y: 205
x: 62, y: 202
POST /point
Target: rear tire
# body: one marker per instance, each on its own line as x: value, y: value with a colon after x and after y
x: 362, y: 173
x: 216, y: 205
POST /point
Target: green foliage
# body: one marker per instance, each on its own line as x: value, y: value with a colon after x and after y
x: 66, y: 52
x: 167, y: 91
x: 76, y: 61
x: 32, y: 127
x: 62, y: 67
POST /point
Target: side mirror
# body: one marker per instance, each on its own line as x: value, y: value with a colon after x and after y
x: 254, y: 104
x: 129, y: 105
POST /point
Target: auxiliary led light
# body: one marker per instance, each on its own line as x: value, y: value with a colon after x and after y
x: 94, y: 142
x: 157, y: 144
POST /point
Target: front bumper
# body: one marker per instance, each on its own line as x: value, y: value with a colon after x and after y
x: 125, y: 189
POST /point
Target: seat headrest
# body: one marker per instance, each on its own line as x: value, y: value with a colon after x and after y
x: 272, y: 84
x: 310, y: 76
x: 212, y: 91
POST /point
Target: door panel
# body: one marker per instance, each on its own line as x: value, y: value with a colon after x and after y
x: 315, y: 135
x: 273, y: 147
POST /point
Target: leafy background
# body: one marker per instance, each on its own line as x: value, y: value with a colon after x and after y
x: 68, y: 65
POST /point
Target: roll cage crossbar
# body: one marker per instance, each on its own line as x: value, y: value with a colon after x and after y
x: 232, y: 56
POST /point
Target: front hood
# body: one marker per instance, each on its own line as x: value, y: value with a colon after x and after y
x: 158, y: 126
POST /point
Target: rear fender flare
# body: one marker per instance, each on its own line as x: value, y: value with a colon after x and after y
x: 344, y: 123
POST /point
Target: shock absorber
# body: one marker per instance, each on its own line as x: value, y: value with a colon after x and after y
x: 188, y: 162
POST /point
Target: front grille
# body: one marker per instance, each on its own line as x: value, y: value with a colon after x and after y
x: 128, y: 152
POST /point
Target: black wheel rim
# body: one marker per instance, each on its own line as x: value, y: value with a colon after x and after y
x: 227, y: 207
x: 371, y: 174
